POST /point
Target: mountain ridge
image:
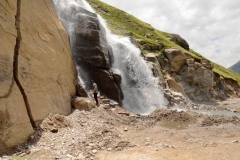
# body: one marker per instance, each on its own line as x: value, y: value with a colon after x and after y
x: 236, y: 67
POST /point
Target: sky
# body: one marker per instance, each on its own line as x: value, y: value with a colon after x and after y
x: 211, y: 27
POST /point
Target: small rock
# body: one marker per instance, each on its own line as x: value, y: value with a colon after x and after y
x: 6, y: 157
x: 22, y: 154
x: 109, y: 149
x: 106, y: 106
x: 69, y: 156
x: 57, y: 157
x: 124, y: 113
x: 101, y: 97
x: 235, y: 141
x: 81, y: 156
x: 126, y: 129
x: 94, y: 151
x: 106, y: 101
x: 54, y: 130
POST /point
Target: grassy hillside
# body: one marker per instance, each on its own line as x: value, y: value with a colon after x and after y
x: 124, y: 24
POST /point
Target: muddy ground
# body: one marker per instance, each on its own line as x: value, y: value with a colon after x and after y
x: 115, y: 134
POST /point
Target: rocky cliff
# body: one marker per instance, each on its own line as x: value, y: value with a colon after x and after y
x: 178, y: 67
x: 37, y: 73
x: 90, y: 49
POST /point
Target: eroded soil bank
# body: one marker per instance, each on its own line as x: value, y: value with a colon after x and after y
x: 107, y: 134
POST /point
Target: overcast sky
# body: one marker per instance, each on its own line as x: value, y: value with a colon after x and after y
x: 211, y: 27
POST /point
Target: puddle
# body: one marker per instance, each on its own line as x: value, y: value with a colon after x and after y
x: 212, y: 113
x: 219, y: 113
x: 175, y: 125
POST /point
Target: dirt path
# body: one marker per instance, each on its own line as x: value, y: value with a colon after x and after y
x: 113, y: 135
x: 201, y: 143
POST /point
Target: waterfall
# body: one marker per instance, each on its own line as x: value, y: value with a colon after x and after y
x: 141, y: 91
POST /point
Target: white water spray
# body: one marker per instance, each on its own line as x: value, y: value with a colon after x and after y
x: 141, y: 91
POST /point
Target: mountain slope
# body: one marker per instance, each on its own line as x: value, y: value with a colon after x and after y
x: 236, y: 67
x: 122, y: 23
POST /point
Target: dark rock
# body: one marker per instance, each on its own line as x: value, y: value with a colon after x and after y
x: 179, y: 41
x: 81, y: 91
x: 92, y: 54
x: 110, y: 56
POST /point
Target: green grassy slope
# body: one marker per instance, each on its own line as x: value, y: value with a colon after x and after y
x: 124, y: 24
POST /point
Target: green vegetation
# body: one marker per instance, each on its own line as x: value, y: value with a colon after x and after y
x: 226, y: 73
x: 222, y: 71
x: 124, y: 24
x: 15, y: 157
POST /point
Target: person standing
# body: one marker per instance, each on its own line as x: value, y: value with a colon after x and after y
x: 95, y: 91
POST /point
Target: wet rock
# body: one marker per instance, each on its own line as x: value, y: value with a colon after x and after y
x: 106, y: 101
x: 154, y: 65
x: 174, y: 86
x: 92, y: 53
x: 81, y: 92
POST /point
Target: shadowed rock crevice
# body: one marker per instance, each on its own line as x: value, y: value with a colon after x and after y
x: 15, y: 64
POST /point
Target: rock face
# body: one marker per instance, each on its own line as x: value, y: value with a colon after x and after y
x: 37, y: 73
x: 194, y: 78
x: 155, y: 66
x: 224, y: 88
x: 91, y: 51
x: 176, y: 59
x: 191, y: 78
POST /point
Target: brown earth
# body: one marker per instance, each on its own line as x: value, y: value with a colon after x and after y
x: 109, y: 134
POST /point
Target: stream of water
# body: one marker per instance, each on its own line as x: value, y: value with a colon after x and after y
x: 141, y: 91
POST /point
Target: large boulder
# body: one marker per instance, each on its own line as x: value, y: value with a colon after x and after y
x: 37, y: 72
x: 176, y: 58
x: 91, y: 51
x: 83, y: 103
x: 179, y: 41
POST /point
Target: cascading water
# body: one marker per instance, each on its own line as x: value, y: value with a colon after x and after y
x: 141, y: 91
